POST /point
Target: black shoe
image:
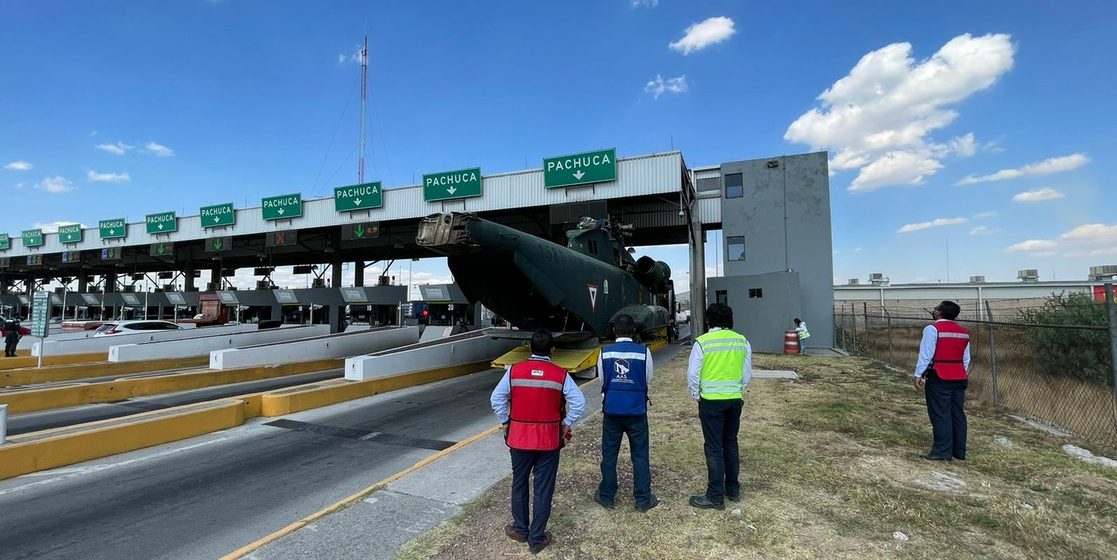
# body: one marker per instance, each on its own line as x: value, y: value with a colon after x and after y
x: 601, y: 501
x: 702, y: 502
x: 512, y: 534
x: 537, y: 548
x: 652, y: 502
x: 733, y: 497
x: 930, y: 457
x: 960, y: 458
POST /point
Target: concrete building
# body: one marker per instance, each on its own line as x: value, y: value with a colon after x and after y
x: 775, y: 215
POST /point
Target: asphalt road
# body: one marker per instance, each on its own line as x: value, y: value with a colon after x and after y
x: 48, y: 419
x: 208, y: 496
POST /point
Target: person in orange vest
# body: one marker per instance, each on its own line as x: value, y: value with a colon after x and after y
x: 537, y: 403
x: 944, y: 360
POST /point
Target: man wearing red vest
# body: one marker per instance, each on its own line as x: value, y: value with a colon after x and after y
x: 943, y: 366
x: 537, y: 402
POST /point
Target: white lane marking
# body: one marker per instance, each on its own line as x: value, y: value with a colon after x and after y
x: 73, y: 472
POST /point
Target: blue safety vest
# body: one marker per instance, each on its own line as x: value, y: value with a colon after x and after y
x: 624, y: 378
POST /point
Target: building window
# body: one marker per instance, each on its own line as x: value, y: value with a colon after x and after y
x: 735, y: 248
x: 734, y: 185
x: 722, y: 297
x: 756, y: 293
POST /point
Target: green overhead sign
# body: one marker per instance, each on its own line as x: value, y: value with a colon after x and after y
x: 163, y: 222
x: 282, y: 207
x: 580, y: 169
x: 219, y: 215
x: 358, y: 197
x: 452, y: 184
x: 32, y: 238
x: 70, y: 234
x: 5, y: 242
x: 113, y: 229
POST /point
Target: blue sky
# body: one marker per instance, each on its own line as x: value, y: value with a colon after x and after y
x: 114, y: 109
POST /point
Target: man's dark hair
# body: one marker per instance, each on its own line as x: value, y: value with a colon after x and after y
x: 797, y: 321
x: 623, y: 325
x: 719, y: 315
x: 542, y: 341
x: 949, y: 310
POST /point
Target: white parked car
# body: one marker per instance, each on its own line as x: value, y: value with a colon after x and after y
x: 135, y: 327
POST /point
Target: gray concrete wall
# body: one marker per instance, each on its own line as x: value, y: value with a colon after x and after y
x: 762, y: 320
x: 784, y: 217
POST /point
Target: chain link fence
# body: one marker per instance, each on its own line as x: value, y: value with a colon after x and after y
x: 1060, y: 374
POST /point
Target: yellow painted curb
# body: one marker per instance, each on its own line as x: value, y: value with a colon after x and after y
x: 48, y: 360
x: 21, y: 402
x: 286, y: 401
x: 346, y: 502
x: 71, y: 372
x: 17, y: 458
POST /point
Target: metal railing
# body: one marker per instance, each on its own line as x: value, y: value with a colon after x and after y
x: 1064, y: 375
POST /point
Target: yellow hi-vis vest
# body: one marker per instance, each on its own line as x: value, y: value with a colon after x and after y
x: 723, y: 364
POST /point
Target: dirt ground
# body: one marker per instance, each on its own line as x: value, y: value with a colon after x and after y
x: 830, y: 469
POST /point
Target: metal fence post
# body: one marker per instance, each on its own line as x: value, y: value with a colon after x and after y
x: 891, y: 361
x: 993, y: 355
x: 1111, y: 308
x: 853, y: 317
x: 868, y: 333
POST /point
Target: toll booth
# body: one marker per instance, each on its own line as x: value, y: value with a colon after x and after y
x: 445, y: 305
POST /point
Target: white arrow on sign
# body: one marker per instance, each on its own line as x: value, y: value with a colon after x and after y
x: 280, y: 211
x: 216, y: 219
x: 579, y: 174
x: 357, y: 201
x: 112, y: 232
x: 160, y: 226
x: 452, y: 190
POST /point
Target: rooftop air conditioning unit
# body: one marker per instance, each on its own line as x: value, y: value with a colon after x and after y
x: 1103, y: 272
x: 168, y: 287
x: 263, y: 285
x: 854, y: 281
x: 977, y: 279
x: 318, y: 283
x: 877, y: 278
x: 1028, y: 275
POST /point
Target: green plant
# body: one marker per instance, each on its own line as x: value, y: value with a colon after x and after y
x: 1062, y: 347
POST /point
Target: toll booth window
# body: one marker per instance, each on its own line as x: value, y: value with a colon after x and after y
x: 735, y: 248
x: 756, y: 293
x: 734, y: 185
x: 722, y: 297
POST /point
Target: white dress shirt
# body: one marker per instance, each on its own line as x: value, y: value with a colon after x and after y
x: 694, y: 368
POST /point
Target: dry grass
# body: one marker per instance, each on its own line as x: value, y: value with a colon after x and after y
x: 830, y: 470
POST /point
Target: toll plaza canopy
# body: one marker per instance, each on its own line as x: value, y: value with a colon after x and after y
x: 361, y: 223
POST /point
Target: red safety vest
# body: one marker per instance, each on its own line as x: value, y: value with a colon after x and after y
x: 949, y: 349
x: 537, y: 403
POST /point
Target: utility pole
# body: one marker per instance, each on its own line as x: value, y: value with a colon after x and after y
x: 364, y: 101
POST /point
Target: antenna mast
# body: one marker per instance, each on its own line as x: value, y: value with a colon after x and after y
x: 364, y: 100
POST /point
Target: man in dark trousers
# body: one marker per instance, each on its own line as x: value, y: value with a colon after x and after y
x: 719, y: 372
x: 943, y: 366
x: 537, y: 402
x: 11, y: 337
x: 625, y: 368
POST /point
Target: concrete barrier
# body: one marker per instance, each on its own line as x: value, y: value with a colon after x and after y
x: 202, y: 346
x: 476, y: 346
x: 319, y: 348
x: 103, y: 343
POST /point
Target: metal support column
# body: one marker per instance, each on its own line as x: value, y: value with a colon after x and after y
x: 359, y: 273
x: 335, y: 274
x: 993, y: 355
x: 697, y: 280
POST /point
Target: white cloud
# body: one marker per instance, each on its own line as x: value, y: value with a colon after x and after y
x: 1038, y: 195
x: 108, y: 177
x: 982, y: 215
x: 118, y: 148
x: 1098, y: 233
x: 703, y: 34
x: 658, y: 86
x: 1033, y: 245
x: 858, y: 250
x: 56, y: 184
x: 648, y: 3
x: 52, y: 227
x: 964, y: 146
x: 19, y: 166
x: 883, y: 113
x: 983, y: 230
x: 354, y: 56
x: 895, y: 168
x: 937, y: 222
x: 158, y: 149
x: 1045, y: 167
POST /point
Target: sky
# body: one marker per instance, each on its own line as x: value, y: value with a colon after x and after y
x: 964, y: 138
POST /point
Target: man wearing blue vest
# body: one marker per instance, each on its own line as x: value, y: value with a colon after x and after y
x: 625, y: 368
x: 719, y: 372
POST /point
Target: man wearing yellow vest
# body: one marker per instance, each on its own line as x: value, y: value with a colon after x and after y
x: 719, y: 372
